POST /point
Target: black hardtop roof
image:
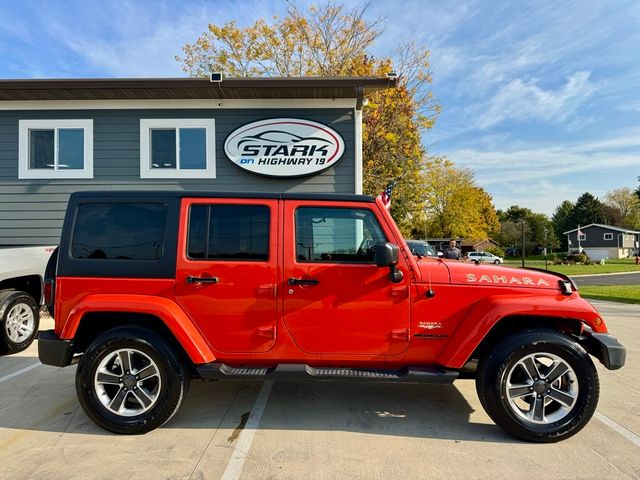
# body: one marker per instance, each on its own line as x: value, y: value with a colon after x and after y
x: 121, y: 194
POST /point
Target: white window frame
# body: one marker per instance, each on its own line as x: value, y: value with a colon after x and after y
x: 26, y: 173
x: 608, y: 236
x: 582, y: 237
x: 146, y: 124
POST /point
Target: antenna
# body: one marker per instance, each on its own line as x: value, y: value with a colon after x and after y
x: 430, y: 292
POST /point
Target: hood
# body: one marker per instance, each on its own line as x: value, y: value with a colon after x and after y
x: 463, y: 273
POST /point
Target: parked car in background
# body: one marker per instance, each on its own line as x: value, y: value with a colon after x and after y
x: 483, y: 257
x: 421, y: 248
x: 21, y: 272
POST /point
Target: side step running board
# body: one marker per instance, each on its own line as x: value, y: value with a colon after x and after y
x: 219, y: 371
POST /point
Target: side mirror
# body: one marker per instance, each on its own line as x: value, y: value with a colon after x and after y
x: 386, y: 255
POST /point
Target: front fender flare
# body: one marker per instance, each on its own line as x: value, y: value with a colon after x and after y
x: 180, y: 325
x: 489, y: 311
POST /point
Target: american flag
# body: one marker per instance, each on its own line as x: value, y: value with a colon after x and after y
x: 385, y: 195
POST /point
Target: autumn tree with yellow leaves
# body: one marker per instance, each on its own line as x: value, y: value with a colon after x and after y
x: 331, y: 41
x: 454, y: 205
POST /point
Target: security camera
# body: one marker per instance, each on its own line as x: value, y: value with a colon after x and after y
x: 215, y: 77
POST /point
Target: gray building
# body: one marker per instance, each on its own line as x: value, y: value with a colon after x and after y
x: 603, y: 241
x: 237, y: 135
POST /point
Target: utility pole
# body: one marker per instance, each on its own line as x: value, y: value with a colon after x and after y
x: 523, y: 254
x: 546, y: 266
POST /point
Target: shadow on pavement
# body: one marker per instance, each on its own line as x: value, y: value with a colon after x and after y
x: 421, y: 411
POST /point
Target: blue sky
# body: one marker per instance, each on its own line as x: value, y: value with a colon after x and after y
x: 540, y: 99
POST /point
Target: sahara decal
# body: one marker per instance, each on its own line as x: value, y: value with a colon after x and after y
x: 506, y: 280
x: 284, y: 147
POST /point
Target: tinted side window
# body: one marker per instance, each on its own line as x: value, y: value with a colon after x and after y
x: 336, y: 235
x: 122, y: 231
x: 228, y: 232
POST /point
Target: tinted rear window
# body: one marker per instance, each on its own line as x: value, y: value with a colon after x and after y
x: 119, y: 231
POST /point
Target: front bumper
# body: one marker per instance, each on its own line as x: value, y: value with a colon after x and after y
x: 53, y: 350
x: 605, y: 348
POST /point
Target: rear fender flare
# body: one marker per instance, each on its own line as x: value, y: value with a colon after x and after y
x: 180, y: 325
x: 489, y: 311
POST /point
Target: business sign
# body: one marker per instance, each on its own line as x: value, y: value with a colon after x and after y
x: 284, y: 147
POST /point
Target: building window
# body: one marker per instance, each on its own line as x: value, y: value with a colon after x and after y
x: 177, y: 148
x: 608, y: 236
x: 55, y: 149
x: 582, y: 237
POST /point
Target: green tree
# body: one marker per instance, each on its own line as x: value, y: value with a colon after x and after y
x: 588, y: 209
x: 330, y: 40
x: 563, y: 222
x: 627, y: 203
x: 516, y: 213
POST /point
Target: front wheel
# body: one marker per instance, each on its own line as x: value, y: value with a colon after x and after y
x: 538, y: 385
x: 131, y: 381
x: 497, y: 262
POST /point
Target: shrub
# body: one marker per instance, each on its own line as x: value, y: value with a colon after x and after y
x: 577, y: 258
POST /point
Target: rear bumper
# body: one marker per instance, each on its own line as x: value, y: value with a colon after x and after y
x: 53, y: 350
x: 607, y: 349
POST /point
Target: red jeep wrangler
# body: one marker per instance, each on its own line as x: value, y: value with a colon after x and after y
x: 151, y: 289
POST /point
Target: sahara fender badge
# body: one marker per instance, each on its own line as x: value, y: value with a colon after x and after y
x: 284, y: 147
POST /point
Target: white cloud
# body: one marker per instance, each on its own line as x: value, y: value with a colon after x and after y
x: 541, y: 177
x: 519, y: 100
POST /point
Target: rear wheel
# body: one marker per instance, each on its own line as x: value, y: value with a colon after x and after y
x: 538, y: 385
x: 19, y: 321
x: 131, y: 381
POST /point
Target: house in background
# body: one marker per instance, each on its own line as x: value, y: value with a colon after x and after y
x: 478, y: 245
x: 603, y: 241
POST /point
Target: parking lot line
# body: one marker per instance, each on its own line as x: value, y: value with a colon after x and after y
x: 236, y: 463
x: 19, y: 372
x: 628, y: 434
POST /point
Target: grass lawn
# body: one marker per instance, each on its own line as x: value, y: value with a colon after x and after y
x: 612, y: 293
x: 611, y: 266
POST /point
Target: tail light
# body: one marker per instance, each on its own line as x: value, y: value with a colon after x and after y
x: 49, y: 294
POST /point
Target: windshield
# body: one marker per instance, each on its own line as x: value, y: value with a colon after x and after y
x: 422, y: 249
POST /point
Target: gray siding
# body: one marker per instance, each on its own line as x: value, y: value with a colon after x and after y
x: 31, y: 211
x: 595, y: 238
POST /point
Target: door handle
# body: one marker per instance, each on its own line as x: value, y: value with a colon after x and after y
x: 192, y: 280
x: 301, y: 281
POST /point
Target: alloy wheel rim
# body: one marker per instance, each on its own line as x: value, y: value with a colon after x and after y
x: 127, y: 382
x: 20, y: 323
x: 541, y: 388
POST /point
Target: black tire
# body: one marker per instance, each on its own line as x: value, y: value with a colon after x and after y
x: 496, y: 262
x: 170, y: 388
x: 556, y: 421
x: 12, y: 303
x: 477, y: 262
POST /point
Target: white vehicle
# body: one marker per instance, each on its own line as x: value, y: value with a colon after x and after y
x: 483, y: 257
x: 21, y: 294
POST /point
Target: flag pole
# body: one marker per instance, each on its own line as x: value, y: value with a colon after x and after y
x: 579, y: 246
